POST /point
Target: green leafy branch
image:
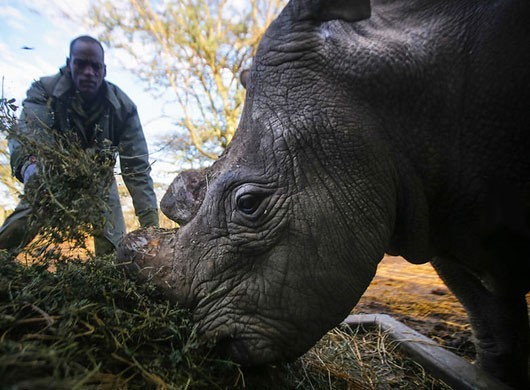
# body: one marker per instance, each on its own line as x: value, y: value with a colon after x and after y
x: 68, y: 195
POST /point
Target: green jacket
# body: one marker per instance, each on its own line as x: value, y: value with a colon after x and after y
x: 47, y: 104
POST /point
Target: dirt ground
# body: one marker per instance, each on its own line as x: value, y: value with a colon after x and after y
x: 415, y: 295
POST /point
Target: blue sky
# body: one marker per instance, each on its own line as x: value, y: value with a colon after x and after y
x: 41, y: 26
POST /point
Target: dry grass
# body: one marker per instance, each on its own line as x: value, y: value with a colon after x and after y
x: 364, y: 360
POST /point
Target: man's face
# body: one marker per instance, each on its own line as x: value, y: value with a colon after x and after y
x: 87, y: 68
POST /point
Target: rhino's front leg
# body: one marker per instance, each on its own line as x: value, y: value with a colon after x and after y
x: 499, y: 323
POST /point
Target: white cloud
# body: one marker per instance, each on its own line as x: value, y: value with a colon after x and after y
x: 57, y: 9
x: 13, y: 18
x: 8, y: 11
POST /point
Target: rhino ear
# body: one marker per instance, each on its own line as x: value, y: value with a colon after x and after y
x: 244, y: 76
x: 347, y: 10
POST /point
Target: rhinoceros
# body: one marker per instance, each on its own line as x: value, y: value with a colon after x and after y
x: 401, y: 127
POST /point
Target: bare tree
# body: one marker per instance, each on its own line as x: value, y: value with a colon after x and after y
x: 194, y: 49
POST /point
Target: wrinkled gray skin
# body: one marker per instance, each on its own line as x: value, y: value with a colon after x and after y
x: 408, y: 132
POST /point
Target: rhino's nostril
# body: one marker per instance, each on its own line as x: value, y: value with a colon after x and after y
x: 124, y: 254
x: 234, y: 349
x: 130, y: 267
x: 125, y: 259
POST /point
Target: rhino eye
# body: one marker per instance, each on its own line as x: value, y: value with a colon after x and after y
x: 249, y: 203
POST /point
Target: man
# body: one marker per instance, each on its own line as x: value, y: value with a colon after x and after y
x: 79, y: 99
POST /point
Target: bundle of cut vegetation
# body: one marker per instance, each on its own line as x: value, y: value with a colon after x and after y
x: 86, y: 325
x: 68, y: 195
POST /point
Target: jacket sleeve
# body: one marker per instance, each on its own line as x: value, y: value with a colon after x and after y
x: 36, y: 118
x: 135, y: 168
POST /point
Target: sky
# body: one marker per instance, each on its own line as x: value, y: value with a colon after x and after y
x: 34, y: 42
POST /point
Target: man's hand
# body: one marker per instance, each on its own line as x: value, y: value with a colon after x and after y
x: 29, y: 169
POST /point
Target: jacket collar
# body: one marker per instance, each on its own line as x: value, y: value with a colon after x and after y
x: 65, y: 84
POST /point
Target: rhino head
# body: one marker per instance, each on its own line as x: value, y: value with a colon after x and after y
x: 280, y: 237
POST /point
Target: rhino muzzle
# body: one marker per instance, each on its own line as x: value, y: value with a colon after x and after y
x: 149, y: 255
